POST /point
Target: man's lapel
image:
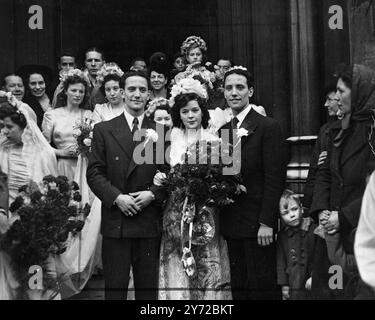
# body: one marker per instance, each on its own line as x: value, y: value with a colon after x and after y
x: 250, y: 124
x: 122, y: 134
x: 146, y: 124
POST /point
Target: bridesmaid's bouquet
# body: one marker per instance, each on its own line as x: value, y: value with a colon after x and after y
x: 46, y: 216
x: 83, y: 133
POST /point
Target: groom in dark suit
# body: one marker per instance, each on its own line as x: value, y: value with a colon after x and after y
x: 131, y: 211
x: 249, y: 224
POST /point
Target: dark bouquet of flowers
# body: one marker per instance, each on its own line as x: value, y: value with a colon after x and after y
x: 201, y: 178
x: 198, y: 186
x: 48, y: 214
x: 83, y: 132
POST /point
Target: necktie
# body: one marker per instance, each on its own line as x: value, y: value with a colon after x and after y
x: 135, y: 128
x: 235, y: 122
x: 135, y: 125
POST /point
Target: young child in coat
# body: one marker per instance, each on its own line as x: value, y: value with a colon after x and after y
x: 295, y: 248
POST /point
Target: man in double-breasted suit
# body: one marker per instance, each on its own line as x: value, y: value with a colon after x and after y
x: 249, y: 224
x: 131, y: 211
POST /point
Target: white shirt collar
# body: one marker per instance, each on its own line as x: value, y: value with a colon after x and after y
x: 129, y: 119
x: 242, y: 115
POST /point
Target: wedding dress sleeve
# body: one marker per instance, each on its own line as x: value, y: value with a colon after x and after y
x: 47, y: 125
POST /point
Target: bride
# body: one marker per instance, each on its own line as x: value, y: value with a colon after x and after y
x: 211, y: 281
x: 24, y: 156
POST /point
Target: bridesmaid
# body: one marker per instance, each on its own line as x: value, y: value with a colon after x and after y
x: 58, y: 124
x: 113, y: 89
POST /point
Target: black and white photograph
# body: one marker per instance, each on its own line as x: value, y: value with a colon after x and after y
x: 207, y: 152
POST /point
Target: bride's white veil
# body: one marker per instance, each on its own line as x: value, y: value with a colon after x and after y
x: 39, y: 156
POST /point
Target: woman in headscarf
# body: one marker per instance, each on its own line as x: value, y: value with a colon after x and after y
x: 341, y: 182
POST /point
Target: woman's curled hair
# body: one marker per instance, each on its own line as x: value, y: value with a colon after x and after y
x: 62, y: 98
x: 181, y: 101
x: 8, y: 111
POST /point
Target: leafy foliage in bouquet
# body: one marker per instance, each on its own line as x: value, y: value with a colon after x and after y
x: 48, y: 214
x: 200, y: 175
x: 83, y: 133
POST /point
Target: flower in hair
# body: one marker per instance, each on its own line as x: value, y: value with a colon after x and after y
x: 109, y: 68
x: 10, y: 97
x: 193, y: 40
x: 153, y: 104
x: 237, y: 68
x: 65, y: 75
x: 187, y: 85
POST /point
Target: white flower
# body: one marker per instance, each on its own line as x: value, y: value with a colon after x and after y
x: 87, y: 142
x: 64, y: 76
x: 52, y: 185
x: 152, y: 135
x: 187, y: 85
x: 242, y: 133
x: 77, y: 132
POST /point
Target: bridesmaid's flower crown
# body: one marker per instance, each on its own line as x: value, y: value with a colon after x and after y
x: 187, y: 85
x: 65, y: 76
x: 109, y: 68
x: 193, y: 40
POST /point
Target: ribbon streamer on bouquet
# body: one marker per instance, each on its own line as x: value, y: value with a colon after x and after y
x: 187, y: 259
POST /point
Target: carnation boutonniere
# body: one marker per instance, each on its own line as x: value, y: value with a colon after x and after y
x: 242, y: 132
x: 152, y: 135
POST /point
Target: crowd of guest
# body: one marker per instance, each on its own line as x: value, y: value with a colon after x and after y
x: 309, y: 254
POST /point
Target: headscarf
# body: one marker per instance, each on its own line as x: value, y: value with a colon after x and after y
x: 363, y: 93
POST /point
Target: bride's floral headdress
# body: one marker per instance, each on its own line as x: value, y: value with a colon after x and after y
x: 10, y: 97
x: 187, y: 85
x: 109, y: 68
x: 193, y: 40
x: 64, y: 76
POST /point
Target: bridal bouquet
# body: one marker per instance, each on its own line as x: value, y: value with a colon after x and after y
x: 47, y: 214
x: 200, y: 175
x: 198, y: 186
x: 83, y: 134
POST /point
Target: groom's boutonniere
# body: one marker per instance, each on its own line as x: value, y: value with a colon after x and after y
x: 242, y: 133
x: 152, y: 135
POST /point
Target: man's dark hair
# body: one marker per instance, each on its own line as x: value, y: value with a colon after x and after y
x: 137, y: 59
x: 249, y: 77
x: 225, y: 59
x: 66, y: 53
x: 95, y: 49
x: 137, y: 73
